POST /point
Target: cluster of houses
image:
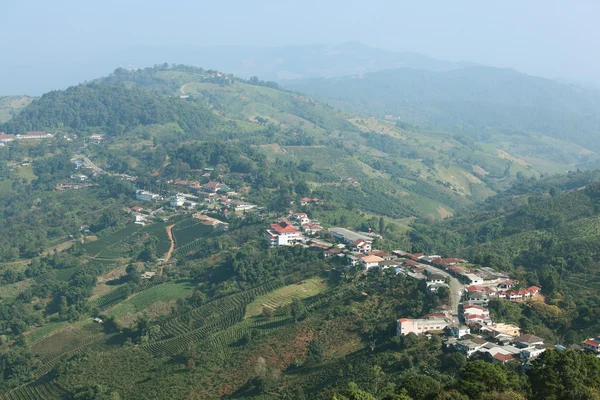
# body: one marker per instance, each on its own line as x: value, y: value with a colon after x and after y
x: 283, y: 232
x: 5, y: 138
x: 481, y: 294
x: 305, y: 201
x: 472, y: 332
x: 499, y: 344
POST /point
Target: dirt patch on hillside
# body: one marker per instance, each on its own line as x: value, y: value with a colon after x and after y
x: 101, y: 287
x: 154, y: 311
x: 506, y: 156
x: 443, y: 212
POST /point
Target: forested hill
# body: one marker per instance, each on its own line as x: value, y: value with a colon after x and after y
x: 113, y: 107
x: 476, y: 101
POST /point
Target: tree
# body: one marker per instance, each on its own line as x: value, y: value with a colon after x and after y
x: 268, y: 312
x: 316, y: 351
x: 479, y: 377
x: 297, y: 309
x: 563, y: 375
x: 421, y: 387
x: 381, y: 224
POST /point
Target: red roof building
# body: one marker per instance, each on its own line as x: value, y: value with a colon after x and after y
x: 284, y: 227
x: 6, y: 138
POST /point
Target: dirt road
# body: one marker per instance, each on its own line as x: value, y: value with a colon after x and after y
x: 170, y: 234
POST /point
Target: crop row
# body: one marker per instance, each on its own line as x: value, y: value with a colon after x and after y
x: 184, y: 224
x: 117, y: 237
x: 35, y: 391
x: 65, y: 340
x: 119, y: 294
x: 179, y: 344
x: 224, y: 342
x: 195, y: 318
x: 191, y: 233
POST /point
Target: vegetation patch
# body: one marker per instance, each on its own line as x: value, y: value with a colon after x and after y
x: 285, y: 295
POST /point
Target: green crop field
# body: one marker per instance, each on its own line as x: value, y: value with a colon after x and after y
x: 96, y: 247
x: 165, y: 292
x: 285, y: 295
x: 188, y: 234
x: 46, y: 330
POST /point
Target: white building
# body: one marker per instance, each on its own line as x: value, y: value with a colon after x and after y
x: 282, y: 234
x: 369, y: 262
x: 301, y: 218
x: 143, y: 195
x: 177, y: 200
x: 404, y: 326
x: 474, y: 279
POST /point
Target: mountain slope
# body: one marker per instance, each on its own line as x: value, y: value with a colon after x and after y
x: 476, y: 101
x: 384, y: 168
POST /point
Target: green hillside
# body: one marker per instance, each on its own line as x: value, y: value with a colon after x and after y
x: 488, y: 104
x: 107, y: 296
x: 383, y: 168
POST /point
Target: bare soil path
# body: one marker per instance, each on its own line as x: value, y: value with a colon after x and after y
x: 168, y: 256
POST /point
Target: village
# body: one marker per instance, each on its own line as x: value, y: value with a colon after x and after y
x: 466, y: 324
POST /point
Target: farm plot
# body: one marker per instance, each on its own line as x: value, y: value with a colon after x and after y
x: 119, y: 294
x: 104, y: 244
x: 68, y: 339
x: 160, y: 293
x: 176, y: 345
x: 188, y: 234
x: 42, y: 390
x: 211, y: 311
x: 285, y: 295
x: 222, y: 344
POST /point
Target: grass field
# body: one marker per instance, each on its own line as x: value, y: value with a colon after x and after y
x: 285, y: 295
x: 161, y: 293
x: 14, y: 289
x: 27, y: 173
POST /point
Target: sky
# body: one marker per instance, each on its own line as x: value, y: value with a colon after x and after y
x: 555, y: 39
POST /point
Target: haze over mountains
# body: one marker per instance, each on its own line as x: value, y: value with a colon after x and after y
x: 50, y: 71
x: 477, y: 101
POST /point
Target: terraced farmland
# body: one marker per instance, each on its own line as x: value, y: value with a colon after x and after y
x: 43, y: 390
x: 67, y: 339
x: 224, y: 343
x: 119, y: 294
x: 285, y: 295
x: 102, y: 247
x: 191, y: 327
x: 187, y: 234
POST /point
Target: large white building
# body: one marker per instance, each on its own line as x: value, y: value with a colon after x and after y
x: 282, y: 234
x: 143, y: 195
x: 404, y: 326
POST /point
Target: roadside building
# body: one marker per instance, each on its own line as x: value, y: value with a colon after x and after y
x: 419, y: 326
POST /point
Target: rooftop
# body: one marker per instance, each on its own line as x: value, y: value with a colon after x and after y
x: 372, y: 259
x: 351, y: 236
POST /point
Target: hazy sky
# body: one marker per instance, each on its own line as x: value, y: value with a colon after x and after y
x: 547, y: 38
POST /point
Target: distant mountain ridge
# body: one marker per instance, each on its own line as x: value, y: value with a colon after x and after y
x: 57, y: 71
x: 477, y: 101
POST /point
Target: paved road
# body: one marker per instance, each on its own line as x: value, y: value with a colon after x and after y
x: 456, y: 290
